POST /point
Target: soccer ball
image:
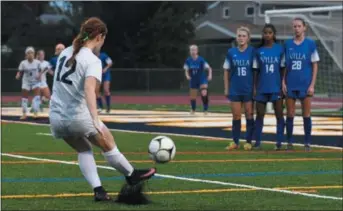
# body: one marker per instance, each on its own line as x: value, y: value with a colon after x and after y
x: 162, y: 149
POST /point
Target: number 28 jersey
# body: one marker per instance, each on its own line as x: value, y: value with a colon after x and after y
x: 299, y: 59
x: 240, y: 65
x: 68, y: 97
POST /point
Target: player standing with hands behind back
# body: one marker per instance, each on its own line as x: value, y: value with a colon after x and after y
x: 195, y: 67
x: 300, y: 78
x: 239, y: 83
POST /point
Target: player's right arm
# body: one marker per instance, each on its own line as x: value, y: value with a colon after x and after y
x: 186, y: 68
x: 93, y: 78
x: 20, y: 70
x: 226, y: 68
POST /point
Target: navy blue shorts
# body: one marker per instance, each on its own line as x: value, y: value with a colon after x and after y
x: 106, y: 76
x: 240, y: 98
x: 270, y: 97
x: 196, y: 83
x: 296, y: 94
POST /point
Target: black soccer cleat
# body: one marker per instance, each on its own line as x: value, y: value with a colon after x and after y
x: 307, y: 148
x: 140, y: 175
x: 100, y: 194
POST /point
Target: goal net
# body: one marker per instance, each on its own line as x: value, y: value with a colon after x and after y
x: 324, y: 25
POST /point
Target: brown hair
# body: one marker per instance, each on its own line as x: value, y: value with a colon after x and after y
x: 301, y: 20
x: 91, y: 28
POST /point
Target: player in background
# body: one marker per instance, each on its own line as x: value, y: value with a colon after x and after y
x: 239, y: 84
x: 73, y: 112
x: 269, y: 63
x: 195, y: 67
x: 53, y: 61
x: 106, y: 63
x: 300, y: 78
x: 28, y: 70
x: 45, y: 67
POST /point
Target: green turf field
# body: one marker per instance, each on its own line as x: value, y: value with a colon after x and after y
x: 240, y: 180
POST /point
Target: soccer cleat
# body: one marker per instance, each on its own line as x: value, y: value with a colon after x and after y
x: 289, y: 147
x: 278, y: 148
x: 140, y: 175
x: 247, y: 147
x: 307, y: 148
x: 100, y: 194
x: 99, y: 110
x: 257, y: 147
x: 108, y: 111
x: 232, y: 146
x: 23, y: 117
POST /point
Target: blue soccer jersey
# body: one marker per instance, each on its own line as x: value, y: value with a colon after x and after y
x: 240, y: 65
x: 299, y: 59
x: 105, y: 59
x: 196, y: 68
x: 269, y: 61
x: 53, y: 62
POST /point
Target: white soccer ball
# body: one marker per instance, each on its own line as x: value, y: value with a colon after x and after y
x: 162, y: 149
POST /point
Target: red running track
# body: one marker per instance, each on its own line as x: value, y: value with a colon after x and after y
x: 333, y: 103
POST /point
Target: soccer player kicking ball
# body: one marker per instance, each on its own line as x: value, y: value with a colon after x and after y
x: 73, y: 114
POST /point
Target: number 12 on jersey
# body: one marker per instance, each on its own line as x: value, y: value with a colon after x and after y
x: 67, y: 72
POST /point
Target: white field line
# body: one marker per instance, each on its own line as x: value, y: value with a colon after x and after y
x: 169, y: 134
x: 189, y: 179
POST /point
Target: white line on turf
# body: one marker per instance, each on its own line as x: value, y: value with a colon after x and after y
x: 168, y: 134
x: 187, y: 179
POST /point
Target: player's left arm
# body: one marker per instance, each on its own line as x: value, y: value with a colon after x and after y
x: 209, y: 69
x: 314, y: 59
x: 109, y: 63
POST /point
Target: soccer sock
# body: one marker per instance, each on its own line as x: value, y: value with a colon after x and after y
x: 193, y: 104
x: 24, y: 104
x: 280, y: 129
x: 258, y: 130
x: 236, y: 130
x: 205, y: 101
x: 36, y: 103
x: 307, y: 129
x: 99, y: 102
x: 108, y: 101
x: 118, y: 161
x: 249, y: 130
x: 88, y: 168
x: 289, y: 129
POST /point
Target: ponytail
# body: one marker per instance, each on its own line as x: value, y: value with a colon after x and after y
x: 77, y: 45
x: 89, y: 30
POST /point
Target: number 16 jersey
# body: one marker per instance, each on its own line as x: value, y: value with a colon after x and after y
x: 68, y: 96
x: 240, y: 67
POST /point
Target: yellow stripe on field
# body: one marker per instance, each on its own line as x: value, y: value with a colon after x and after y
x: 310, y: 189
x: 193, y: 161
